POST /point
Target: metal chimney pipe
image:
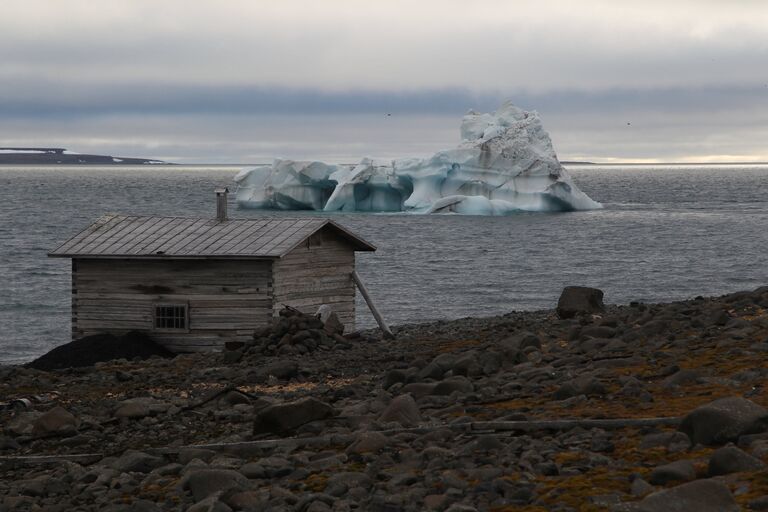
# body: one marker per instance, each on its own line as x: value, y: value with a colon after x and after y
x: 221, y: 204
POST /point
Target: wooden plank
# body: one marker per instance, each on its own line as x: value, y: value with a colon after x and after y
x: 368, y: 300
x: 127, y: 241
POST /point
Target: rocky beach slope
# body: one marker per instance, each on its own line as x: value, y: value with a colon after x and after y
x: 643, y: 407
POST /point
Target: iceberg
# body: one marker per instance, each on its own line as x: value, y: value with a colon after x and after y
x: 505, y: 163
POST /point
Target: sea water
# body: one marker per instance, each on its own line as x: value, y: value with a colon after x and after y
x: 666, y: 233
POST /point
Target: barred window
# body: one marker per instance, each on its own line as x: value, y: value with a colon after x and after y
x: 170, y: 316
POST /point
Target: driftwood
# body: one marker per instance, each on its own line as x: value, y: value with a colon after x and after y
x: 32, y: 460
x: 368, y: 300
x: 474, y: 428
x: 469, y: 428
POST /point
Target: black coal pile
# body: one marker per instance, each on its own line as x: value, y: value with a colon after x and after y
x: 297, y: 333
x: 94, y: 349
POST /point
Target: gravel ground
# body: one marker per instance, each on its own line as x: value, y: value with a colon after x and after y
x: 499, y: 413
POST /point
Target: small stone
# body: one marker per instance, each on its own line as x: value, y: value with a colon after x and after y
x: 680, y: 470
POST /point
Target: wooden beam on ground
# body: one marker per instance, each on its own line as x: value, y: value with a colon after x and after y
x: 368, y: 300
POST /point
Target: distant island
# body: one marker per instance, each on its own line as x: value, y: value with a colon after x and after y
x: 48, y: 156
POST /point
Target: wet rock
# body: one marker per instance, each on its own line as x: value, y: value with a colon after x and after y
x: 403, y: 410
x: 279, y: 418
x: 678, y: 471
x: 699, y: 495
x: 730, y: 459
x: 724, y: 420
x: 576, y: 300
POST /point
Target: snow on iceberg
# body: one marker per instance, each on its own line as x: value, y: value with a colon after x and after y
x: 504, y: 164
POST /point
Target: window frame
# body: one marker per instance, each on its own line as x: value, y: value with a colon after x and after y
x: 181, y: 304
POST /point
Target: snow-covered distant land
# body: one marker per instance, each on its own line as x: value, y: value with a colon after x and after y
x: 55, y: 156
x: 505, y: 163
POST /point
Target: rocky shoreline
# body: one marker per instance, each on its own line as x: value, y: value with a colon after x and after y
x: 644, y: 407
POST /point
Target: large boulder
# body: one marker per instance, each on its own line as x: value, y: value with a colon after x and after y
x: 699, y: 496
x: 724, y: 420
x: 289, y: 416
x: 730, y: 459
x: 55, y: 422
x: 575, y: 300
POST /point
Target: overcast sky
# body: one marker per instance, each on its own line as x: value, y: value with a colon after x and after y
x: 245, y: 81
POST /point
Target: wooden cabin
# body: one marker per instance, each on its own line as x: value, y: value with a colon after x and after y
x: 194, y: 284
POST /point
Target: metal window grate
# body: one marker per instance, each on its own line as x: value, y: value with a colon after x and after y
x: 171, y: 316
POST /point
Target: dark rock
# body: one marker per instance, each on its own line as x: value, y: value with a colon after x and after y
x: 55, y: 422
x: 598, y: 331
x: 576, y: 300
x: 680, y: 470
x: 403, y: 410
x: 724, y: 420
x: 699, y: 496
x: 640, y: 487
x: 285, y: 417
x: 283, y: 370
x: 392, y: 377
x: 730, y: 459
x: 418, y: 389
x: 206, y: 482
x: 368, y: 442
x: 681, y: 378
x: 451, y: 384
x: 134, y: 461
x: 97, y: 348
x: 672, y: 441
x: 760, y: 503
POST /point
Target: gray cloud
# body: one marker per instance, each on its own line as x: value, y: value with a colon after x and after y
x: 241, y: 80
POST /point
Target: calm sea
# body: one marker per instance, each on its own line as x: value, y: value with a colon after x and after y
x: 666, y: 233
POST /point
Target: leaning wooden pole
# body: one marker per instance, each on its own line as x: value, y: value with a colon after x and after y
x: 372, y: 306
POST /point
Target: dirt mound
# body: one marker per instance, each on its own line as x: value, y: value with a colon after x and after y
x: 99, y: 347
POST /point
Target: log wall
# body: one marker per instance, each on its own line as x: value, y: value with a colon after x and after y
x: 226, y: 299
x: 318, y: 272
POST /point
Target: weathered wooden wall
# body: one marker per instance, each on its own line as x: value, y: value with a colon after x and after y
x: 227, y: 299
x: 315, y: 273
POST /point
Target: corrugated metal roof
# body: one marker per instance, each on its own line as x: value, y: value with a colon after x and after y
x: 123, y: 236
